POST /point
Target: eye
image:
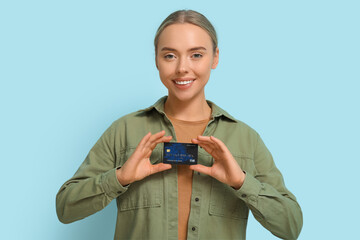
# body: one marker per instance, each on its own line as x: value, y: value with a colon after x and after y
x: 197, y: 55
x: 169, y: 56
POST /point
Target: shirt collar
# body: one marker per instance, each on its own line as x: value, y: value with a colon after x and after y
x: 215, y: 113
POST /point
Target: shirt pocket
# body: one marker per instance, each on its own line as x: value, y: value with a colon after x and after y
x: 223, y: 201
x: 146, y: 193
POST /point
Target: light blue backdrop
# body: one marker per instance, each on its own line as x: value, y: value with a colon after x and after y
x: 68, y: 69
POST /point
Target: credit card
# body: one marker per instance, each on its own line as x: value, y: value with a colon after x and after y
x: 180, y: 153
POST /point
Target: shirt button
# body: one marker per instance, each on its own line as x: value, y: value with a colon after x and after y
x: 193, y: 228
x: 197, y: 199
x: 244, y: 195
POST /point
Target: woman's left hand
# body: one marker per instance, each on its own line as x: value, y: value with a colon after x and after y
x: 225, y: 168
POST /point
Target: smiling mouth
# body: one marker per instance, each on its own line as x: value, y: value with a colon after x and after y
x: 183, y: 82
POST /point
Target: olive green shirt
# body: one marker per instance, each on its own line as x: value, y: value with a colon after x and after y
x: 148, y: 209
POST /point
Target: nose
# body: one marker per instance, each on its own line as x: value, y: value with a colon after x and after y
x: 182, y: 66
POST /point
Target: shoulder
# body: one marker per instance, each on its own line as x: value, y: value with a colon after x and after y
x: 137, y: 118
x: 244, y: 127
x: 127, y: 131
x: 142, y: 116
x: 230, y: 123
x: 237, y: 132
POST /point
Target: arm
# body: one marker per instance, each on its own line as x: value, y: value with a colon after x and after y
x: 94, y: 184
x: 97, y: 182
x: 265, y: 194
x: 271, y: 203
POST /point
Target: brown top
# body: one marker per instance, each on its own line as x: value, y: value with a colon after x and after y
x: 185, y: 131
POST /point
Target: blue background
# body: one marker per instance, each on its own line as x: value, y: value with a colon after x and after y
x: 68, y: 69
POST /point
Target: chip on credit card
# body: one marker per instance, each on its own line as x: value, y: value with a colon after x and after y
x: 180, y: 153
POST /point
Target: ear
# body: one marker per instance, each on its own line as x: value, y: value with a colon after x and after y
x: 216, y: 59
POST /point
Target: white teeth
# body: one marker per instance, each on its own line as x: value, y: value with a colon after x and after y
x: 183, y: 82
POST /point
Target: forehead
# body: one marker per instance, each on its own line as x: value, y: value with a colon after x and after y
x: 184, y: 35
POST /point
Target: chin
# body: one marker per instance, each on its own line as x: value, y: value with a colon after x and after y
x: 185, y: 97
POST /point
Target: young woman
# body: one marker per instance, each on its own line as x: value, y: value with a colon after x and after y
x: 210, y: 200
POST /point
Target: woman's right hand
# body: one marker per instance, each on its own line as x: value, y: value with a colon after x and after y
x: 138, y: 166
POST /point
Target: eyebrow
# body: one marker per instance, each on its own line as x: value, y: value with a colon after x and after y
x: 191, y: 49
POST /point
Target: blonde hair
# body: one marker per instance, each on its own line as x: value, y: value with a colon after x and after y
x: 188, y: 16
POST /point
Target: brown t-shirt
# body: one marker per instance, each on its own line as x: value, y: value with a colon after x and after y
x: 185, y: 131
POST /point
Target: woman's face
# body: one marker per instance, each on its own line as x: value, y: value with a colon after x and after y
x: 184, y: 59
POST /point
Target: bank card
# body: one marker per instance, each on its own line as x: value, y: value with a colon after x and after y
x: 180, y: 153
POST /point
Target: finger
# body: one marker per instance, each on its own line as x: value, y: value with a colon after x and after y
x: 201, y: 168
x: 159, y: 167
x: 206, y: 140
x: 216, y: 142
x: 164, y: 139
x: 209, y: 147
x: 194, y: 140
x: 153, y: 138
x: 151, y: 145
x: 203, y: 138
x: 144, y: 140
x: 212, y: 148
x: 157, y: 135
x: 219, y: 143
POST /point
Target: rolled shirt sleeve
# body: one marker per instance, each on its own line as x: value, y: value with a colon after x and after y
x: 93, y: 186
x: 271, y: 203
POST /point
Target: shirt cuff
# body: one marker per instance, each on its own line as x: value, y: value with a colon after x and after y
x: 111, y: 185
x: 250, y: 190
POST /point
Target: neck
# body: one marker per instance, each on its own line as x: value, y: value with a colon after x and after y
x: 191, y: 110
